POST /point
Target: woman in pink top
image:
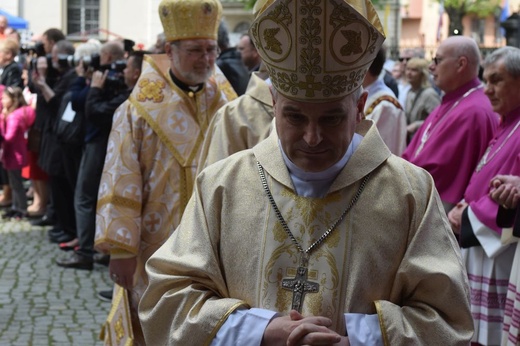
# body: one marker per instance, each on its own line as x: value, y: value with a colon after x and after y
x: 15, y: 119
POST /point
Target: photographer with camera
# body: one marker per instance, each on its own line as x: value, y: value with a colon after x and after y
x: 70, y: 123
x: 104, y: 96
x: 39, y: 177
x: 51, y: 153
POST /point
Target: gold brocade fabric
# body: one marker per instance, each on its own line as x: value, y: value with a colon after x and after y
x: 117, y: 329
x: 151, y: 163
x: 393, y: 255
x: 240, y: 124
x: 308, y: 219
x: 191, y: 19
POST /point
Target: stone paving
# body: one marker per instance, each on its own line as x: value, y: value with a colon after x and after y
x: 41, y: 303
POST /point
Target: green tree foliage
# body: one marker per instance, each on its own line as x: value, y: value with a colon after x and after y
x: 248, y: 4
x: 457, y: 9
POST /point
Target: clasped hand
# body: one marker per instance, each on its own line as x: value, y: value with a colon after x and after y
x: 505, y: 190
x: 455, y: 216
x: 295, y: 329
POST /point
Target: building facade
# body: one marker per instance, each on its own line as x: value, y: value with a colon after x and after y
x: 419, y: 24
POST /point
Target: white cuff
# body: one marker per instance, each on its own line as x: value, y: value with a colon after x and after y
x: 363, y: 330
x: 488, y: 238
x: 244, y: 327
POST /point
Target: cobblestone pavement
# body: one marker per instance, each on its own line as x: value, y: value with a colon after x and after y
x: 41, y: 303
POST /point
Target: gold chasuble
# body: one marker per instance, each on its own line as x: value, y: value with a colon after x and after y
x: 151, y: 162
x: 386, y: 257
x: 240, y: 124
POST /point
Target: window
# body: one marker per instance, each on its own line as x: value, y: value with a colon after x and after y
x: 83, y: 18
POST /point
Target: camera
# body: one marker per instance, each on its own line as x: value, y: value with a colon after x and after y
x: 33, y: 49
x: 34, y: 63
x: 115, y: 80
x: 89, y: 61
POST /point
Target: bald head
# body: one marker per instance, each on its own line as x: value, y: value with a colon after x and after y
x: 467, y: 47
x: 111, y: 51
x: 458, y: 61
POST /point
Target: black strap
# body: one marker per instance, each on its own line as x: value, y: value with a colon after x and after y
x: 415, y: 101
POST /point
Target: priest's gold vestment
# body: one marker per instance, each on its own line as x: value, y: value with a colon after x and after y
x: 240, y: 124
x: 151, y: 162
x: 393, y: 255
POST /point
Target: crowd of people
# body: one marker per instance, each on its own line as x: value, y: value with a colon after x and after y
x: 294, y: 189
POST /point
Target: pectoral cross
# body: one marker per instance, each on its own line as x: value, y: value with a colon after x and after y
x: 483, y: 160
x: 424, y: 139
x: 299, y: 285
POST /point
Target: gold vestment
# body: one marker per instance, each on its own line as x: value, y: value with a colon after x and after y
x: 151, y: 162
x: 240, y: 124
x: 393, y: 255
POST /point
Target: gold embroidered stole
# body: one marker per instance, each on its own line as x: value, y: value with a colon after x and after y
x: 179, y: 118
x: 308, y: 219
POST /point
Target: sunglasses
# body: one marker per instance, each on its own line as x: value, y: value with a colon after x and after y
x: 436, y: 60
x: 404, y: 59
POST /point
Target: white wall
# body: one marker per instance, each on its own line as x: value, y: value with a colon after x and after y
x: 134, y: 19
x: 10, y: 6
x: 137, y: 20
x: 42, y: 15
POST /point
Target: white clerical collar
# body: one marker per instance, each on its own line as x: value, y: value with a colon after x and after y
x: 317, y: 184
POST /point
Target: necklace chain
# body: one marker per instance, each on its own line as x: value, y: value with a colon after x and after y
x: 426, y: 134
x: 484, y: 160
x: 284, y: 224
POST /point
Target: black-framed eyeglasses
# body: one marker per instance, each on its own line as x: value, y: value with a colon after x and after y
x: 200, y: 52
x: 437, y: 60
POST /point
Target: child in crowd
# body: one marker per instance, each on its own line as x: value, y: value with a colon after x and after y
x: 15, y: 119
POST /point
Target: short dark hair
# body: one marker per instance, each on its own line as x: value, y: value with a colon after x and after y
x: 54, y: 35
x: 138, y: 56
x: 378, y: 63
x: 223, y: 36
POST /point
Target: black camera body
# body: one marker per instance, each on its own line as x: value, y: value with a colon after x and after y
x: 115, y: 78
x: 89, y: 61
x: 33, y: 49
x: 115, y: 81
x: 51, y: 72
x: 36, y: 51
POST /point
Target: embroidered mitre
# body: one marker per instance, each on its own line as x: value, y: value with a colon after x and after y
x: 190, y: 19
x: 316, y: 51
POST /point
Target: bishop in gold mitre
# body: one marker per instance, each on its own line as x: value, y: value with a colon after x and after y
x: 318, y: 235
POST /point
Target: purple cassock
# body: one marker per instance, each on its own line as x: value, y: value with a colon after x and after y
x: 453, y: 138
x: 503, y: 157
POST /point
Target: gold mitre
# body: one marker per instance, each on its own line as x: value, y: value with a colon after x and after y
x: 190, y: 19
x: 316, y: 51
